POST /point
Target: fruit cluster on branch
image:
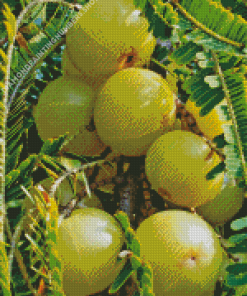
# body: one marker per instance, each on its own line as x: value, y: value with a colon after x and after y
x: 105, y: 98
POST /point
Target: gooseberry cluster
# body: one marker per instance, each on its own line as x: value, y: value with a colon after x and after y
x: 134, y: 113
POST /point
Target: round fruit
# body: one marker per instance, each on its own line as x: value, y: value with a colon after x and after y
x: 210, y: 291
x: 86, y: 143
x: 225, y: 205
x: 88, y: 244
x: 176, y: 166
x: 64, y: 105
x: 68, y: 67
x: 109, y: 36
x: 211, y: 124
x: 183, y: 251
x: 71, y: 69
x: 133, y: 108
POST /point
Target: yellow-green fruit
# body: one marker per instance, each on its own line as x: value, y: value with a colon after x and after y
x: 177, y: 124
x: 106, y: 36
x: 88, y: 244
x: 68, y: 67
x: 183, y: 250
x: 176, y: 167
x: 85, y: 143
x: 71, y: 69
x: 134, y: 108
x: 209, y: 292
x: 64, y: 105
x: 225, y: 205
x: 211, y: 124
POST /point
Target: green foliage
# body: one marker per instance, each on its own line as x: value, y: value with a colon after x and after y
x: 124, y: 274
x: 54, y: 263
x: 10, y: 22
x: 239, y: 224
x: 22, y: 171
x: 132, y: 243
x: 212, y: 14
x: 216, y: 170
x: 143, y: 271
x: 159, y: 17
x: 51, y: 147
x: 185, y: 53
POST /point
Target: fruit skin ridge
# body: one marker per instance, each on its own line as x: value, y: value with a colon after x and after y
x: 133, y: 108
x: 183, y: 250
x: 176, y: 167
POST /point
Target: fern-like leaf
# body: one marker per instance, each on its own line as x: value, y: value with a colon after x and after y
x: 10, y: 24
x: 185, y: 53
x: 212, y: 14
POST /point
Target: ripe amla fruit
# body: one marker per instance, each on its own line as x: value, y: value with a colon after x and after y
x: 87, y: 143
x: 210, y: 124
x: 64, y: 105
x: 133, y: 108
x: 111, y: 35
x: 70, y: 69
x: 225, y: 205
x: 88, y: 243
x: 183, y: 250
x: 176, y: 166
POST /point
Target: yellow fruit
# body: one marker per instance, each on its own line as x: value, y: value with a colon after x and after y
x: 209, y: 292
x: 176, y: 167
x: 225, y: 205
x: 64, y: 105
x: 172, y: 77
x: 71, y: 69
x: 183, y: 250
x: 109, y: 36
x: 68, y: 67
x: 211, y: 124
x: 85, y: 143
x: 133, y: 108
x: 88, y: 244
